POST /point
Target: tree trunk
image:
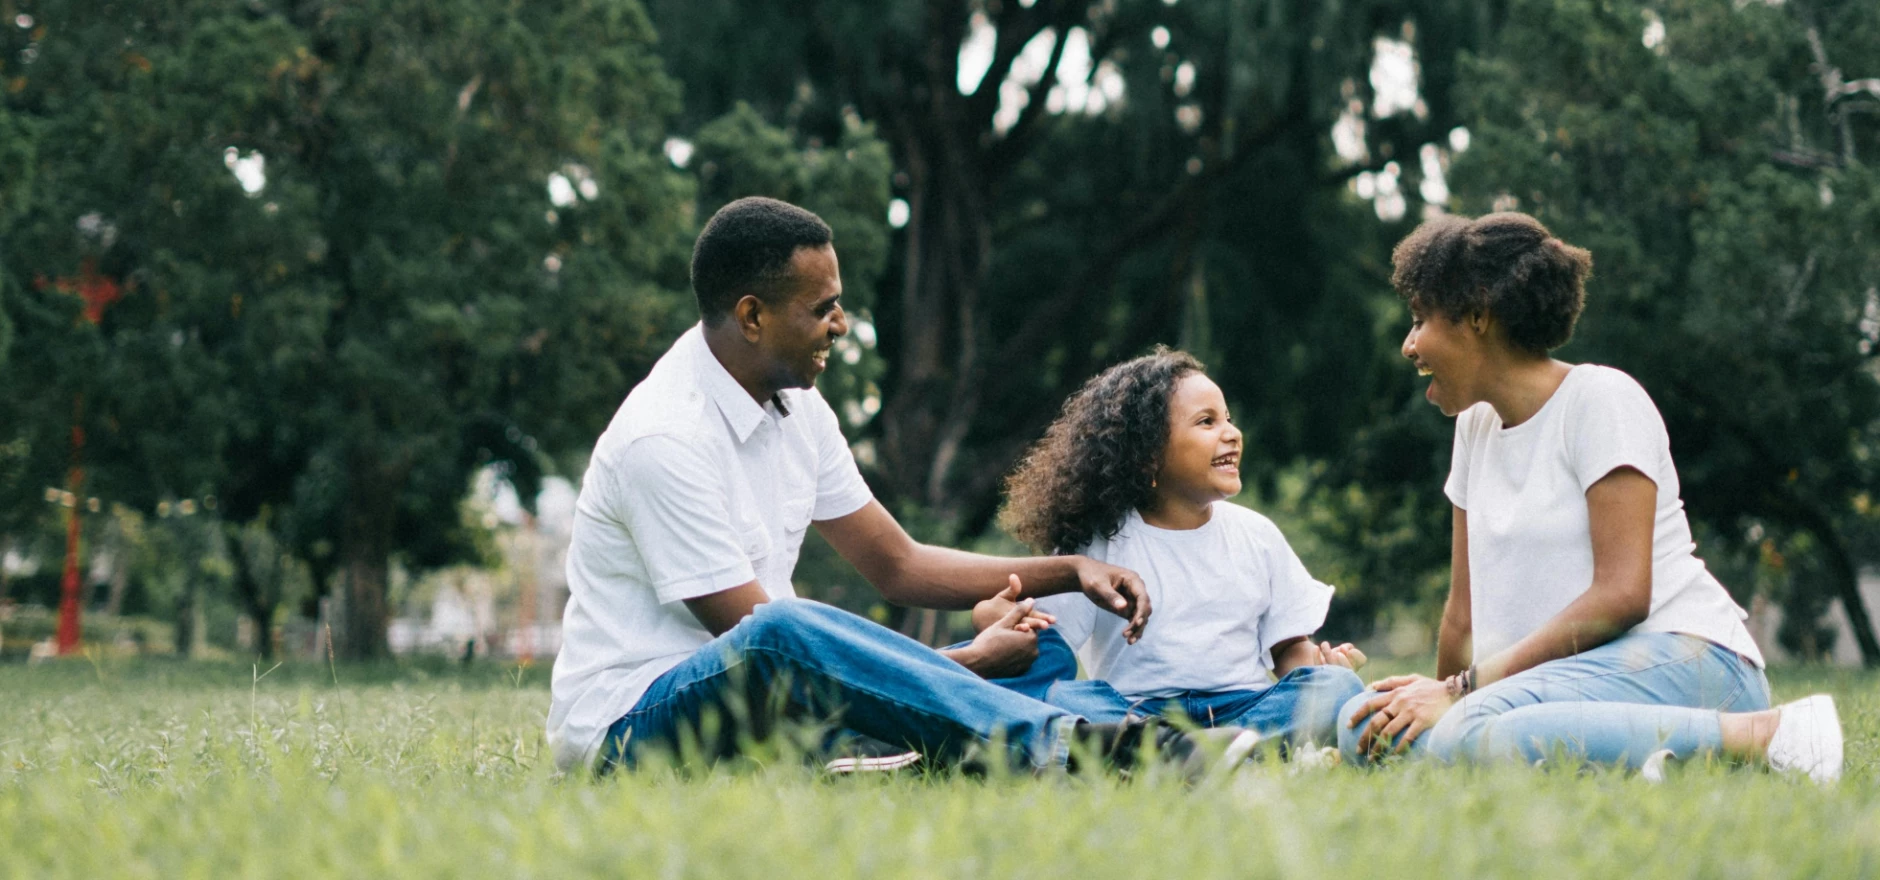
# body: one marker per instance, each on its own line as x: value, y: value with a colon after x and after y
x: 365, y: 549
x: 1846, y: 578
x: 257, y: 598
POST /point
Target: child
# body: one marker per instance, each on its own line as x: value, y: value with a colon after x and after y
x: 1136, y: 472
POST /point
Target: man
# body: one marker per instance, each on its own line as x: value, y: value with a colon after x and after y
x: 694, y: 508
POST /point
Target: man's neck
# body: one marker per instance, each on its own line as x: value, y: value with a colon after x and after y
x: 739, y: 358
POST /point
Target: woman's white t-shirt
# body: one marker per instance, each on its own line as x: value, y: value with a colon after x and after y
x: 1221, y: 596
x: 1524, y: 493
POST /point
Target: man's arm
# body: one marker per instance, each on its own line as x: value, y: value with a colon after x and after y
x: 908, y: 572
x: 1452, y: 640
x: 1005, y: 647
x: 719, y: 612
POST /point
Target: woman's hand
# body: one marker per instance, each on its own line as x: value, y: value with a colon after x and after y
x: 1405, y: 704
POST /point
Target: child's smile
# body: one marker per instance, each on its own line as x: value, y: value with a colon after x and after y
x: 1201, y: 462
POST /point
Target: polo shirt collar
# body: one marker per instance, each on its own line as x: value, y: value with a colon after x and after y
x: 741, y: 412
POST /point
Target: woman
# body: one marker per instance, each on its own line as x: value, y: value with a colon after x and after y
x: 1578, y: 620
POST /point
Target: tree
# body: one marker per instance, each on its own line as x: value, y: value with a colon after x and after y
x: 1084, y: 179
x: 448, y: 240
x: 1713, y: 159
x: 1120, y: 174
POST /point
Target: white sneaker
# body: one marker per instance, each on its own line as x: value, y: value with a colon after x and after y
x: 1240, y: 748
x: 872, y: 763
x: 1653, y: 770
x: 1310, y: 757
x: 1808, y: 739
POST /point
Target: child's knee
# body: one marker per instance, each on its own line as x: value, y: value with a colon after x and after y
x: 1349, y: 727
x: 1339, y: 682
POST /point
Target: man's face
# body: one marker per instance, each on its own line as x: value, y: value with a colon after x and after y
x: 805, y: 321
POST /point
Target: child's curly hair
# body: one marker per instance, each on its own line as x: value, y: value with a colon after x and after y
x: 1098, y: 461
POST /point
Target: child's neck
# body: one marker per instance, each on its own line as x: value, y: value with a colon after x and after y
x: 1176, y: 514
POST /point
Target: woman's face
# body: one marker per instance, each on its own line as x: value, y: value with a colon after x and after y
x: 1201, y: 463
x: 1450, y: 354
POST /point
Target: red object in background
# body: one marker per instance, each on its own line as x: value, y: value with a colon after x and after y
x: 98, y: 292
x: 70, y: 590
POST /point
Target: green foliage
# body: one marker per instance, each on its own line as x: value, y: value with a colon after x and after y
x: 1733, y: 215
x: 401, y: 302
x: 112, y: 769
x: 1200, y: 206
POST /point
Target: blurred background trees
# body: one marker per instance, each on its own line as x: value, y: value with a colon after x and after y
x: 357, y: 254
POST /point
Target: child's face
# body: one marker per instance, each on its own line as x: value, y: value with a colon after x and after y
x: 1201, y: 464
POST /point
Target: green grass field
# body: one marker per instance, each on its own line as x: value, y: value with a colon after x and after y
x: 190, y: 770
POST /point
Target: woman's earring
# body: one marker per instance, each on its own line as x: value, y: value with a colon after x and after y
x: 1151, y: 482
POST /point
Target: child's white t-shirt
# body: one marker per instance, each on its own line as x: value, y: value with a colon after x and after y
x: 1530, y: 544
x: 1220, y: 597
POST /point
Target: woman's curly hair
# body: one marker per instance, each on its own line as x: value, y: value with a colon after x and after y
x: 1507, y: 265
x: 1098, y: 461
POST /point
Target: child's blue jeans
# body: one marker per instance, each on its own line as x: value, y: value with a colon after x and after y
x: 1302, y: 706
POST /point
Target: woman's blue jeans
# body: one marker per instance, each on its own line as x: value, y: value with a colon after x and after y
x: 1301, y: 707
x: 794, y: 658
x: 1615, y: 705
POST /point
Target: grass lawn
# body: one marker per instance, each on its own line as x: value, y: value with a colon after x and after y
x: 158, y: 769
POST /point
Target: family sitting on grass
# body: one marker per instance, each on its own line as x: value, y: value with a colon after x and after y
x: 1579, y: 624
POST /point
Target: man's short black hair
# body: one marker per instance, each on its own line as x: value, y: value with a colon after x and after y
x: 746, y: 249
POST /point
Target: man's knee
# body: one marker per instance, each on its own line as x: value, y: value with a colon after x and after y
x: 781, y: 622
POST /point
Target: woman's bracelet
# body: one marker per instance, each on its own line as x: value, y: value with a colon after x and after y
x: 1461, y: 684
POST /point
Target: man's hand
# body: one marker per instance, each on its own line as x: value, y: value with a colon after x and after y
x: 1116, y: 590
x: 988, y: 613
x: 1003, y: 649
x: 1406, y: 704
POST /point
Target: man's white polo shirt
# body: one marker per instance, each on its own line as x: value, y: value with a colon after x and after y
x: 693, y: 489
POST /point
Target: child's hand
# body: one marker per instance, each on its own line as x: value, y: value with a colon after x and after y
x: 1346, y: 655
x: 989, y: 611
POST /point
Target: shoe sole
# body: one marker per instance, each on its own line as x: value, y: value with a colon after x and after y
x: 881, y: 764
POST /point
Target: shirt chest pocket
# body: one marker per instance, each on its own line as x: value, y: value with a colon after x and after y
x: 754, y: 537
x: 796, y: 513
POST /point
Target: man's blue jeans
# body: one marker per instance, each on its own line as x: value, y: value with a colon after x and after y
x: 1302, y: 706
x: 800, y: 659
x: 1615, y: 704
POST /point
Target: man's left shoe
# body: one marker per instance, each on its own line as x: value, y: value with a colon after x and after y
x: 865, y: 754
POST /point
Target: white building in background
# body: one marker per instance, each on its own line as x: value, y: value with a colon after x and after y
x: 511, y: 610
x: 1765, y: 620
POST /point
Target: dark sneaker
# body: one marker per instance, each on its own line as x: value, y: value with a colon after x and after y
x: 1125, y: 746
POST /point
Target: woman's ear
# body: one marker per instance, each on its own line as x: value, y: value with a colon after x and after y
x: 1479, y: 322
